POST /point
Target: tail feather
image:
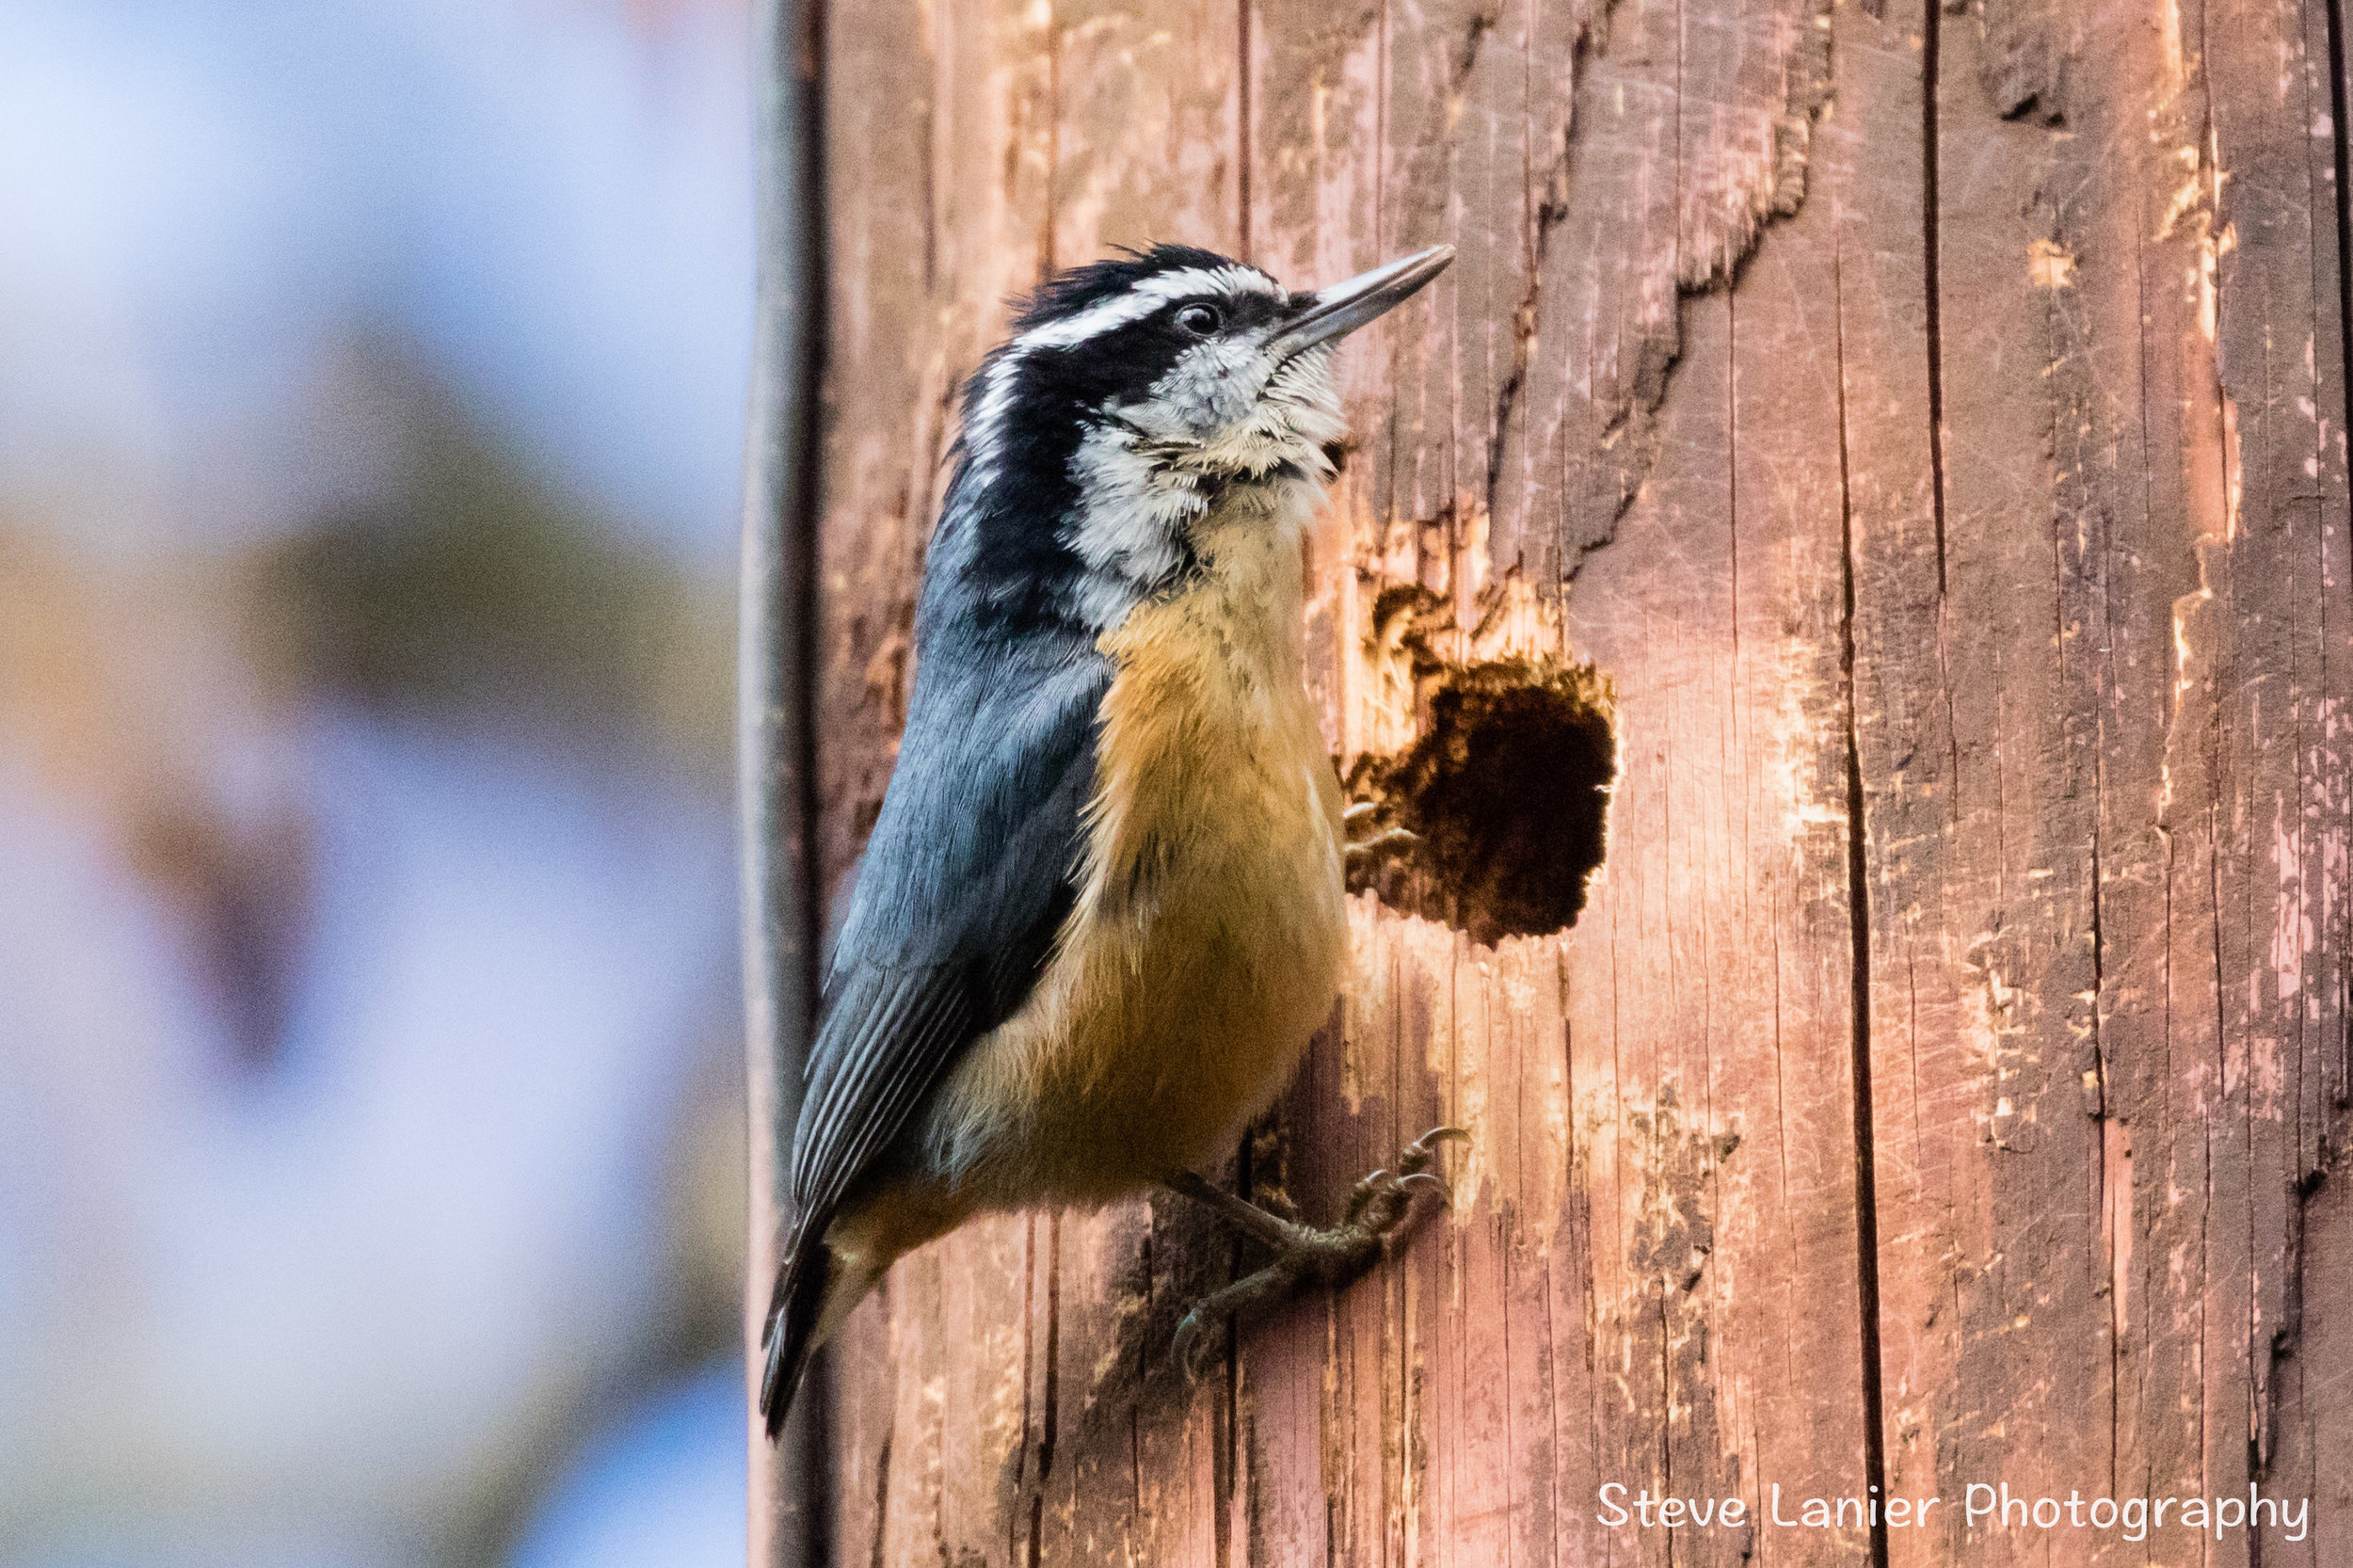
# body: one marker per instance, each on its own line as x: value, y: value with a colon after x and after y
x: 793, y: 1318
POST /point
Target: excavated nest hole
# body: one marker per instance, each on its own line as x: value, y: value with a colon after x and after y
x: 1509, y: 789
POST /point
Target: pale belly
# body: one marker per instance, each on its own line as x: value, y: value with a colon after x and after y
x: 1209, y: 932
x: 1184, y: 1019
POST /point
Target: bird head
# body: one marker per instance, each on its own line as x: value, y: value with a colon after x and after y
x: 1132, y: 392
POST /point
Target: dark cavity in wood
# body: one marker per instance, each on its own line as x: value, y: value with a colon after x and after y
x: 1509, y: 789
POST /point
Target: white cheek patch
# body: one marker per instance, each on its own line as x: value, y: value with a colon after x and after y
x: 1288, y: 422
x: 1146, y: 480
x: 1208, y: 388
x: 1131, y: 530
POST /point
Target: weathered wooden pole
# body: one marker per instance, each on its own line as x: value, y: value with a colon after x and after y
x: 789, y: 1495
x: 1928, y: 422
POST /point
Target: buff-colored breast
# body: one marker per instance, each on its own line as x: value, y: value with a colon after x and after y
x: 1209, y: 931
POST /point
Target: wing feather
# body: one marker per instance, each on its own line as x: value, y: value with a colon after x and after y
x: 964, y: 884
x: 961, y: 894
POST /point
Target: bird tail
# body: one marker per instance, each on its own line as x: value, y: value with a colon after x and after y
x: 794, y: 1314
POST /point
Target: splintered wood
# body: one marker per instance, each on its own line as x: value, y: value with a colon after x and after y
x: 1929, y: 412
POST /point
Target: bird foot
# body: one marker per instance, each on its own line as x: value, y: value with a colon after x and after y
x: 1359, y: 852
x: 1363, y: 850
x: 1381, y: 1213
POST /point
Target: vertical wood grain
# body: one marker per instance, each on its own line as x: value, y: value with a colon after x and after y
x: 2102, y: 815
x: 1939, y: 411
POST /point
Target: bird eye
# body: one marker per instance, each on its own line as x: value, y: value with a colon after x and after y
x: 1199, y: 320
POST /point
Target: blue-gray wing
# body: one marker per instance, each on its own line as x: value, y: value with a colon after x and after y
x: 962, y: 891
x: 965, y: 884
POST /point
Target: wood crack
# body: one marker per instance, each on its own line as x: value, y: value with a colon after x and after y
x: 1806, y: 92
x: 1931, y: 26
x: 1859, y: 930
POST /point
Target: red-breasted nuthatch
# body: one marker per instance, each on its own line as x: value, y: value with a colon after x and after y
x: 1102, y: 909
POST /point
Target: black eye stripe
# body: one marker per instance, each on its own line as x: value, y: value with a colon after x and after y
x: 1251, y: 308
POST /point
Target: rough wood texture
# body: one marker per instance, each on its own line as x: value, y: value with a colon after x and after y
x: 1930, y: 413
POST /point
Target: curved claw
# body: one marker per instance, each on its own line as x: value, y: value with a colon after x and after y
x: 1381, y: 1215
x: 1357, y: 811
x: 1193, y: 1333
x: 1426, y: 1182
x: 1424, y: 1148
x: 1361, y: 1197
x: 1387, y: 839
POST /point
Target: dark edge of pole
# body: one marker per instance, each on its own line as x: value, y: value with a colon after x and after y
x: 789, y: 1498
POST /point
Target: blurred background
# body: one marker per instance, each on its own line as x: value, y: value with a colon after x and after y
x: 371, y: 1144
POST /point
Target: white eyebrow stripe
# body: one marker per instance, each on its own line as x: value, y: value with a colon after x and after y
x: 981, y: 437
x: 1143, y: 300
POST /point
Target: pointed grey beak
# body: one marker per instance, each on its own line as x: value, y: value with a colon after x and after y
x: 1344, y: 307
